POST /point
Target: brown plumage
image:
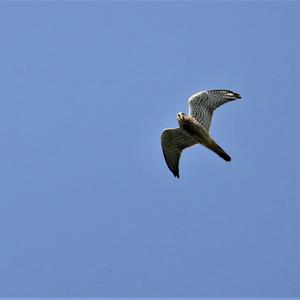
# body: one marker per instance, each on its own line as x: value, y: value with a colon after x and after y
x: 200, y: 134
x: 194, y: 128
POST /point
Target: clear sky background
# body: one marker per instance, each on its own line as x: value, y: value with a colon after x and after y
x: 88, y: 206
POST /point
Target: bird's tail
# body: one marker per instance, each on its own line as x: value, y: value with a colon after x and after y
x: 218, y: 150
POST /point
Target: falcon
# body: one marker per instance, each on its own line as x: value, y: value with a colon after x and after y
x: 194, y: 128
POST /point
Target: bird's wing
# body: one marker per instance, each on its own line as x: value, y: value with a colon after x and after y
x: 173, y: 142
x: 203, y: 104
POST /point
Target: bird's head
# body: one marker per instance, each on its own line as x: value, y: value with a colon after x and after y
x: 180, y: 116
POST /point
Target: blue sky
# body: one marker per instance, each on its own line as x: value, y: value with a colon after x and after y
x: 87, y: 204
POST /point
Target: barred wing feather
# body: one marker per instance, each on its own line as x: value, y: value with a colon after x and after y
x: 203, y: 104
x: 173, y: 142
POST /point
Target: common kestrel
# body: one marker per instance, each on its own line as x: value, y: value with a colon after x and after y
x: 194, y: 128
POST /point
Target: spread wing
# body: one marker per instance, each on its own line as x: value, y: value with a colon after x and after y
x: 173, y: 142
x: 203, y: 104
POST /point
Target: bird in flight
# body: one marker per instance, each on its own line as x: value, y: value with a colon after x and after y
x: 194, y: 128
